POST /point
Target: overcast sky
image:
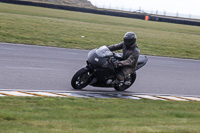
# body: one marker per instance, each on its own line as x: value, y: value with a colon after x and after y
x: 173, y: 6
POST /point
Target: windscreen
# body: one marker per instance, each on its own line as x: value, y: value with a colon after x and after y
x: 103, y: 51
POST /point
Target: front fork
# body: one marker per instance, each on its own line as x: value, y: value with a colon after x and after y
x: 90, y: 69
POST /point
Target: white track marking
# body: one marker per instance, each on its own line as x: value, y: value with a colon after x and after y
x: 2, y: 95
x: 172, y: 98
x: 149, y: 97
x: 191, y: 98
x: 46, y: 94
x: 74, y: 95
x: 15, y: 93
x: 98, y: 95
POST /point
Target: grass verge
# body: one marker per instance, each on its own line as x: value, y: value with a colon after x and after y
x: 79, y: 115
x: 50, y: 27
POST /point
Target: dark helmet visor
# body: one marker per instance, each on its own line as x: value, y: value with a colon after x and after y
x: 129, y: 41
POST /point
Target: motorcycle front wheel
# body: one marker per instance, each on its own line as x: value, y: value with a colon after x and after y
x: 81, y: 79
x: 124, y: 87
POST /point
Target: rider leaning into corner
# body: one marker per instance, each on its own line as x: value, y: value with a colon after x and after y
x: 131, y: 54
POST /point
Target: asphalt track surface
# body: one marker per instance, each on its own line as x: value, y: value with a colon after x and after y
x: 27, y: 67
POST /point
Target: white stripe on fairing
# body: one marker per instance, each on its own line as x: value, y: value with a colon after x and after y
x: 149, y: 97
x: 15, y: 93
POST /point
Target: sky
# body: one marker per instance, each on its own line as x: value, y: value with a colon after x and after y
x: 187, y: 7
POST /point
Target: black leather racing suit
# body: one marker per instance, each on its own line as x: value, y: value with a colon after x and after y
x: 130, y: 56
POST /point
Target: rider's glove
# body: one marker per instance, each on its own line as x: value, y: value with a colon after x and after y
x: 117, y: 64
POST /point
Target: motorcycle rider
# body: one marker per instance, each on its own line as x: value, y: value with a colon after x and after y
x: 131, y: 54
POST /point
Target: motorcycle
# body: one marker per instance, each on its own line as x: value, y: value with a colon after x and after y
x: 100, y: 70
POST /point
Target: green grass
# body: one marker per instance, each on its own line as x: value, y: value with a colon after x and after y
x: 50, y: 27
x: 77, y: 3
x: 79, y: 115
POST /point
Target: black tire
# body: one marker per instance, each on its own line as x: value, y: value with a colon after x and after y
x: 124, y: 87
x: 80, y: 79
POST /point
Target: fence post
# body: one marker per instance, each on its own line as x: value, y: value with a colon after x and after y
x: 177, y: 14
x: 146, y: 18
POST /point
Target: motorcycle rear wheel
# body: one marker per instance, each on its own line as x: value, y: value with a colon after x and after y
x: 124, y: 87
x: 81, y: 79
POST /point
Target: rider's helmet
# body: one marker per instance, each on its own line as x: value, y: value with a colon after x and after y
x: 129, y: 39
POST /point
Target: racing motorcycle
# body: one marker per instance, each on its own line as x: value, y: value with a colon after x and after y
x: 100, y: 70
